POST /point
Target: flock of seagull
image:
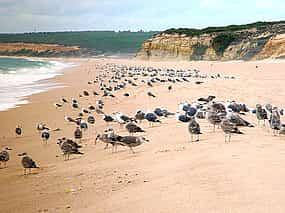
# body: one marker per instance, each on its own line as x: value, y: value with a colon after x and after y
x: 227, y: 115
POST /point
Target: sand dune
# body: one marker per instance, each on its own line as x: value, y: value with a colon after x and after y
x: 168, y: 174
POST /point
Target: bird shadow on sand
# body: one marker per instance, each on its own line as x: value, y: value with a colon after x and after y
x: 3, y: 168
x: 127, y: 152
x: 33, y: 173
x: 195, y: 141
x: 71, y: 159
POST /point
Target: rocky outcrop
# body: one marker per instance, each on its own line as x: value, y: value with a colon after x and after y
x: 43, y: 50
x: 247, y: 44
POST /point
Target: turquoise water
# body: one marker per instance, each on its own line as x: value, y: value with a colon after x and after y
x: 103, y: 42
x: 13, y: 64
x: 20, y: 77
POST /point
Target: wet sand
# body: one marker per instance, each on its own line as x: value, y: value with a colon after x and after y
x: 168, y: 174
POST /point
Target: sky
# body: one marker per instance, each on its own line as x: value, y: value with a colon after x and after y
x: 66, y: 15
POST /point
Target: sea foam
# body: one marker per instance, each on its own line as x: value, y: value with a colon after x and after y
x: 16, y: 83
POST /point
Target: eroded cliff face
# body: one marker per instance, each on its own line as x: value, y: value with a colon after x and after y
x: 250, y: 44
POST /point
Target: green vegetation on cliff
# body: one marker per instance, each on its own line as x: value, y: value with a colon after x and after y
x: 232, y: 28
x: 221, y: 42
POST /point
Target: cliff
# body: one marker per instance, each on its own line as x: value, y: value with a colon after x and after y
x: 255, y: 41
x: 40, y: 50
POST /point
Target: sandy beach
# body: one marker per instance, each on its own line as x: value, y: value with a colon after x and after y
x: 168, y: 174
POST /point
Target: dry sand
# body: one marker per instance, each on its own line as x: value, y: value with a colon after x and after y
x: 168, y: 174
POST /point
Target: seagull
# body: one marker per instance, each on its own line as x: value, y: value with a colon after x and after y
x: 41, y: 126
x: 95, y: 93
x: 121, y: 118
x: 83, y: 125
x: 132, y: 141
x: 158, y: 112
x: 27, y: 163
x: 151, y: 118
x: 109, y: 137
x: 83, y: 110
x: 85, y: 93
x: 91, y: 119
x: 100, y: 104
x: 261, y: 113
x: 108, y: 119
x: 75, y: 105
x: 213, y: 118
x: 191, y: 111
x: 229, y: 129
x: 57, y: 105
x: 218, y: 107
x: 45, y: 135
x: 69, y: 147
x: 208, y: 99
x: 151, y: 95
x: 64, y: 100
x: 90, y: 107
x: 69, y: 119
x: 237, y: 107
x: 184, y: 106
x: 18, y: 130
x: 182, y: 118
x: 78, y: 133
x: 275, y: 122
x: 169, y: 88
x: 133, y: 128
x: 269, y: 108
x: 236, y: 119
x: 4, y: 158
x: 194, y: 128
x: 74, y: 100
x: 140, y: 115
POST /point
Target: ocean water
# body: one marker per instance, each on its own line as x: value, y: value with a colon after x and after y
x: 21, y: 77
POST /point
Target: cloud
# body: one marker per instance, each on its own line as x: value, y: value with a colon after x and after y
x: 55, y: 15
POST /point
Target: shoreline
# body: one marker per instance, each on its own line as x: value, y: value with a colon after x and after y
x: 168, y: 174
x: 43, y: 82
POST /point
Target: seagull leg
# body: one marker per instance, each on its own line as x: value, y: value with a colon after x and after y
x: 214, y: 128
x: 198, y: 137
x: 106, y: 146
x: 30, y: 170
x: 230, y: 135
x: 131, y: 148
x: 191, y: 137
